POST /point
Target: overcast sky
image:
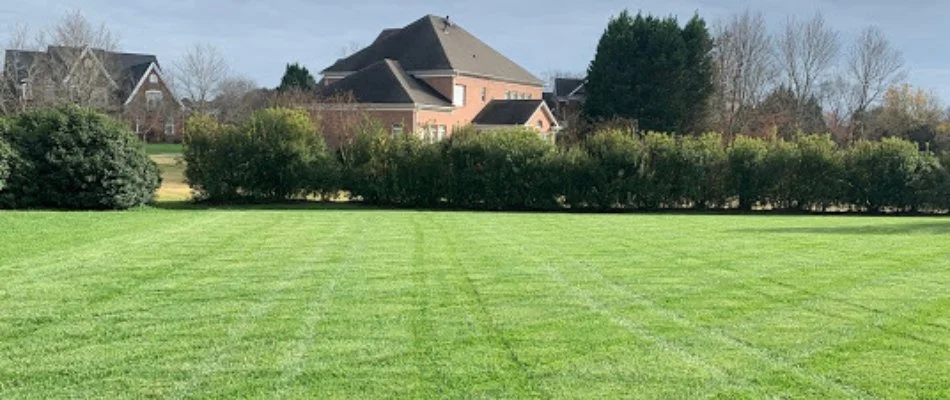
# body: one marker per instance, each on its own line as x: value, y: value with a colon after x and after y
x: 259, y: 37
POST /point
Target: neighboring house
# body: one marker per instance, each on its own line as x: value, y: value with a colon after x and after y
x: 430, y: 78
x: 130, y: 86
x: 568, y: 98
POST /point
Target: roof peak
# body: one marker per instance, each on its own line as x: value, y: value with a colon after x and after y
x: 435, y: 43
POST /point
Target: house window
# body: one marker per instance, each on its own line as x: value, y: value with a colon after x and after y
x: 484, y: 94
x: 153, y: 99
x: 507, y: 95
x: 458, y: 96
x: 170, y: 126
x: 153, y: 78
x: 540, y: 124
x: 397, y: 130
x: 26, y: 91
x: 440, y: 133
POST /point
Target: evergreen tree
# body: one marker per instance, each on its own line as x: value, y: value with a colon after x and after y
x: 297, y: 78
x: 651, y: 70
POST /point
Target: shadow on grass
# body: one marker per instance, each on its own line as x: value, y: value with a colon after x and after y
x: 188, y: 205
x: 925, y: 227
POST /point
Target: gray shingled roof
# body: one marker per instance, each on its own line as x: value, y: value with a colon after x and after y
x: 433, y: 43
x: 386, y: 82
x: 507, y: 112
x: 126, y: 68
x: 564, y: 86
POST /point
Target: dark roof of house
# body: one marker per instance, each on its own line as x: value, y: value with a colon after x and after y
x: 507, y: 112
x: 19, y: 62
x: 121, y: 66
x: 385, y: 82
x: 564, y: 86
x: 550, y: 99
x: 434, y: 43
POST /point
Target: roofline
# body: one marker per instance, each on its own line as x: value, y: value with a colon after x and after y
x: 579, y: 87
x: 381, y: 107
x: 441, y: 73
x: 547, y: 110
x: 151, y: 68
x: 87, y: 50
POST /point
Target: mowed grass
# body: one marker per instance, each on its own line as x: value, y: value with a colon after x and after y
x: 163, y: 148
x: 317, y: 303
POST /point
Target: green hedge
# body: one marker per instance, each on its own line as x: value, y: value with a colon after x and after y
x: 6, y: 155
x: 612, y: 169
x: 74, y: 158
x: 277, y: 154
x: 615, y: 169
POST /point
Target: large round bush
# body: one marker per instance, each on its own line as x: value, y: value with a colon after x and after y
x: 75, y: 158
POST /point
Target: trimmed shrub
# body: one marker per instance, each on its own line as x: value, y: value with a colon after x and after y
x: 703, y: 173
x: 746, y: 176
x: 779, y: 173
x: 75, y: 158
x: 663, y: 166
x: 504, y: 169
x: 277, y: 154
x: 614, y: 175
x: 819, y: 181
x: 881, y: 174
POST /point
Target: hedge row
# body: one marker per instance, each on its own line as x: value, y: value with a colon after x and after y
x: 72, y: 158
x: 279, y: 154
x: 276, y: 154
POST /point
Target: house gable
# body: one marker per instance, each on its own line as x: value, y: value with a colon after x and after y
x: 145, y: 83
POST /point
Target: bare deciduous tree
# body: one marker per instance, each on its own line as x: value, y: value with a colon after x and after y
x: 233, y: 102
x: 72, y: 63
x: 74, y: 30
x: 806, y: 51
x: 349, y: 49
x: 744, y: 68
x: 198, y: 75
x: 873, y: 66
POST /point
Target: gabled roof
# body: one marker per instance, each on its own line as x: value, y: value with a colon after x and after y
x: 564, y: 87
x: 436, y: 44
x: 386, y: 82
x: 126, y: 69
x: 508, y: 112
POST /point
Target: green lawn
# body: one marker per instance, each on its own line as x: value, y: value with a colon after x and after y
x: 319, y: 303
x: 162, y: 148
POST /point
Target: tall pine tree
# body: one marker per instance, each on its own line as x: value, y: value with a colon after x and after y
x: 297, y: 78
x: 651, y: 70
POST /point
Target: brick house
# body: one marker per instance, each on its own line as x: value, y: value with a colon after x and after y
x: 126, y: 85
x: 429, y: 78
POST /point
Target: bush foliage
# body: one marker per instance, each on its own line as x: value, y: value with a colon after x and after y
x: 277, y: 154
x: 6, y: 155
x: 74, y: 158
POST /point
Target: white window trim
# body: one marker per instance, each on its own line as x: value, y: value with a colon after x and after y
x: 456, y: 101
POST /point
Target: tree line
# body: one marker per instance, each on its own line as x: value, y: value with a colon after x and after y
x: 740, y: 77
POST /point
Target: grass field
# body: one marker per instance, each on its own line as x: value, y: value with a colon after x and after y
x: 320, y: 303
x: 162, y: 148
